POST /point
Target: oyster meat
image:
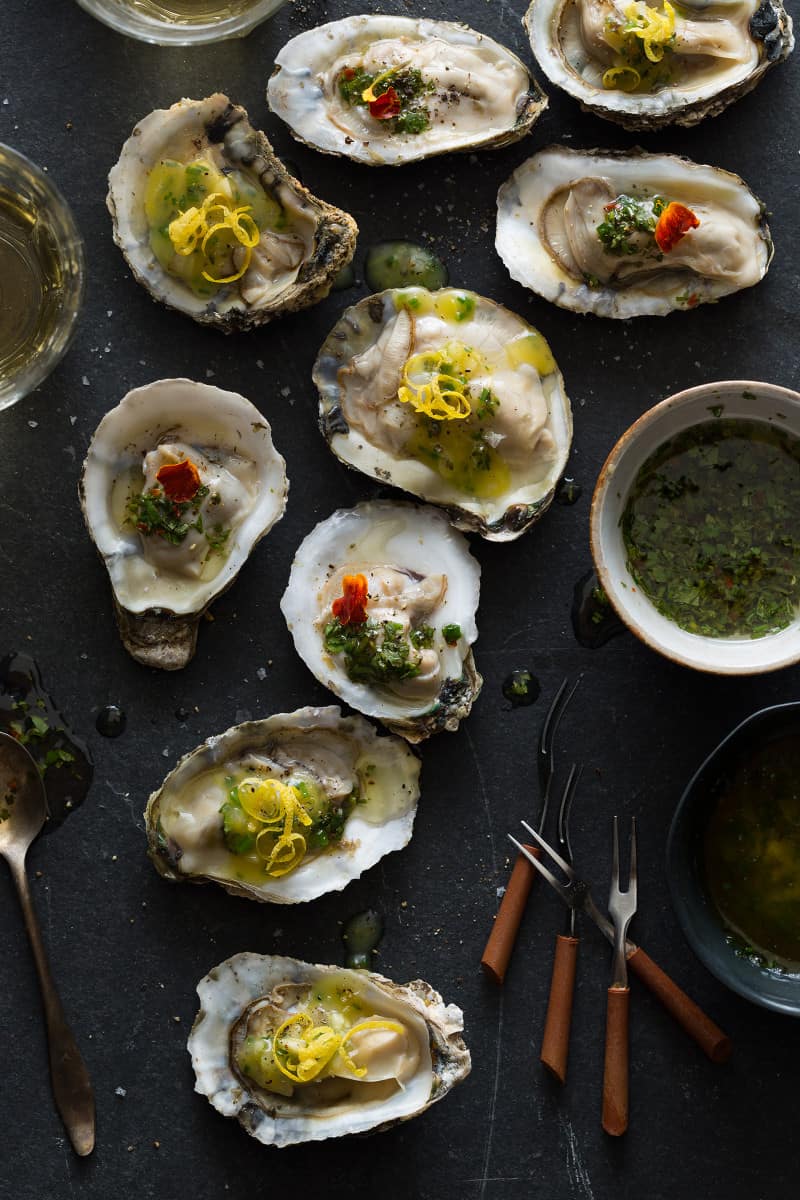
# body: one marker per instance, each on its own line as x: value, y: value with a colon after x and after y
x: 285, y: 809
x: 381, y: 604
x: 628, y: 234
x: 180, y: 481
x: 212, y: 223
x: 451, y: 397
x: 645, y: 65
x: 390, y: 90
x: 298, y: 1052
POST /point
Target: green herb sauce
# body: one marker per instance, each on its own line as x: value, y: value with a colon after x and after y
x: 712, y: 529
x: 752, y: 853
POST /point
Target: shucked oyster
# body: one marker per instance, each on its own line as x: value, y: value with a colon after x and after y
x: 180, y: 481
x: 381, y: 604
x: 390, y: 90
x: 648, y: 65
x: 285, y: 809
x: 212, y: 223
x: 298, y: 1052
x: 453, y: 398
x: 627, y: 234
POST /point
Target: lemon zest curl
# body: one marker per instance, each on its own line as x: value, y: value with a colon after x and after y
x: 193, y: 230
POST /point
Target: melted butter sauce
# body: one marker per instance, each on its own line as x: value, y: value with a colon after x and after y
x: 752, y: 853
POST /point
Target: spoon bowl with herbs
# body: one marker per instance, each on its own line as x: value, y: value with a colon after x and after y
x: 695, y: 527
x: 733, y: 859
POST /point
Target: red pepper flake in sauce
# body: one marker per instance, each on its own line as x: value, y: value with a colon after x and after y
x: 351, y: 607
x: 674, y: 223
x: 180, y: 481
x: 385, y: 106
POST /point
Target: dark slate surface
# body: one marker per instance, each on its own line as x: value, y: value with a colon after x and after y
x: 128, y: 948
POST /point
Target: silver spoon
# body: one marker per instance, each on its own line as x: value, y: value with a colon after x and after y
x: 23, y: 808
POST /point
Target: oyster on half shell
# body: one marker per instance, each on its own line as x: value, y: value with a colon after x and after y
x: 180, y: 482
x: 493, y: 461
x: 353, y: 797
x: 381, y: 604
x: 213, y: 224
x: 431, y: 87
x: 645, y: 65
x: 298, y: 1052
x: 590, y: 231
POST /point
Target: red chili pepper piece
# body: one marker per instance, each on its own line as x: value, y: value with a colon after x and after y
x: 180, y: 480
x: 385, y: 106
x: 351, y: 607
x: 675, y: 221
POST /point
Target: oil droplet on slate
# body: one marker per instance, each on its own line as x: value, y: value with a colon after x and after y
x: 593, y: 619
x: 403, y: 264
x: 568, y: 492
x: 111, y: 721
x: 29, y: 714
x: 361, y: 936
x: 521, y: 688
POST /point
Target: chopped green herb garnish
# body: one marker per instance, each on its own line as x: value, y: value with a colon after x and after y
x: 625, y: 217
x: 487, y: 405
x: 422, y: 638
x: 374, y: 652
x: 451, y: 634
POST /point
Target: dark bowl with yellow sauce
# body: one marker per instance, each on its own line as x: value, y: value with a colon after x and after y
x: 733, y: 859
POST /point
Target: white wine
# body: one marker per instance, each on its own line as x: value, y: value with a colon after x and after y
x: 182, y: 22
x: 31, y: 281
x: 41, y: 276
x: 192, y: 12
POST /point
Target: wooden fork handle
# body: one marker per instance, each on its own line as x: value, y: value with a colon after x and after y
x: 709, y: 1037
x: 501, y: 941
x: 615, y: 1069
x: 555, y: 1043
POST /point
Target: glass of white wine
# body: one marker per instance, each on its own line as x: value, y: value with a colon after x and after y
x: 41, y: 276
x: 182, y: 22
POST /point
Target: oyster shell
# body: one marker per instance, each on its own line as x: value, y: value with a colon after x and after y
x: 549, y: 218
x: 494, y: 471
x: 705, y: 54
x: 421, y: 585
x: 303, y: 242
x: 409, y: 1064
x: 164, y: 580
x: 342, y: 769
x: 456, y: 89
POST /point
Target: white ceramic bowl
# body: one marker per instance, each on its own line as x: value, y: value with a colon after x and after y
x: 722, y: 656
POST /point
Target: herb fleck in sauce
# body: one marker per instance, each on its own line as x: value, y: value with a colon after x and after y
x: 712, y: 529
x: 521, y: 688
x: 594, y: 621
x: 28, y: 713
x: 752, y: 853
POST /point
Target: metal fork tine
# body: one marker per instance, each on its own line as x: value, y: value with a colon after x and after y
x: 615, y: 862
x: 565, y: 867
x: 632, y: 878
x: 565, y: 808
x: 543, y: 871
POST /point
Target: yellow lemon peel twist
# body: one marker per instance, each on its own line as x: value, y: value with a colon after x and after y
x: 302, y: 1049
x: 193, y: 230
x: 654, y: 28
x: 431, y: 387
x: 276, y: 807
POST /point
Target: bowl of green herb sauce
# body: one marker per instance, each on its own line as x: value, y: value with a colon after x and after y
x: 733, y: 859
x: 695, y: 527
